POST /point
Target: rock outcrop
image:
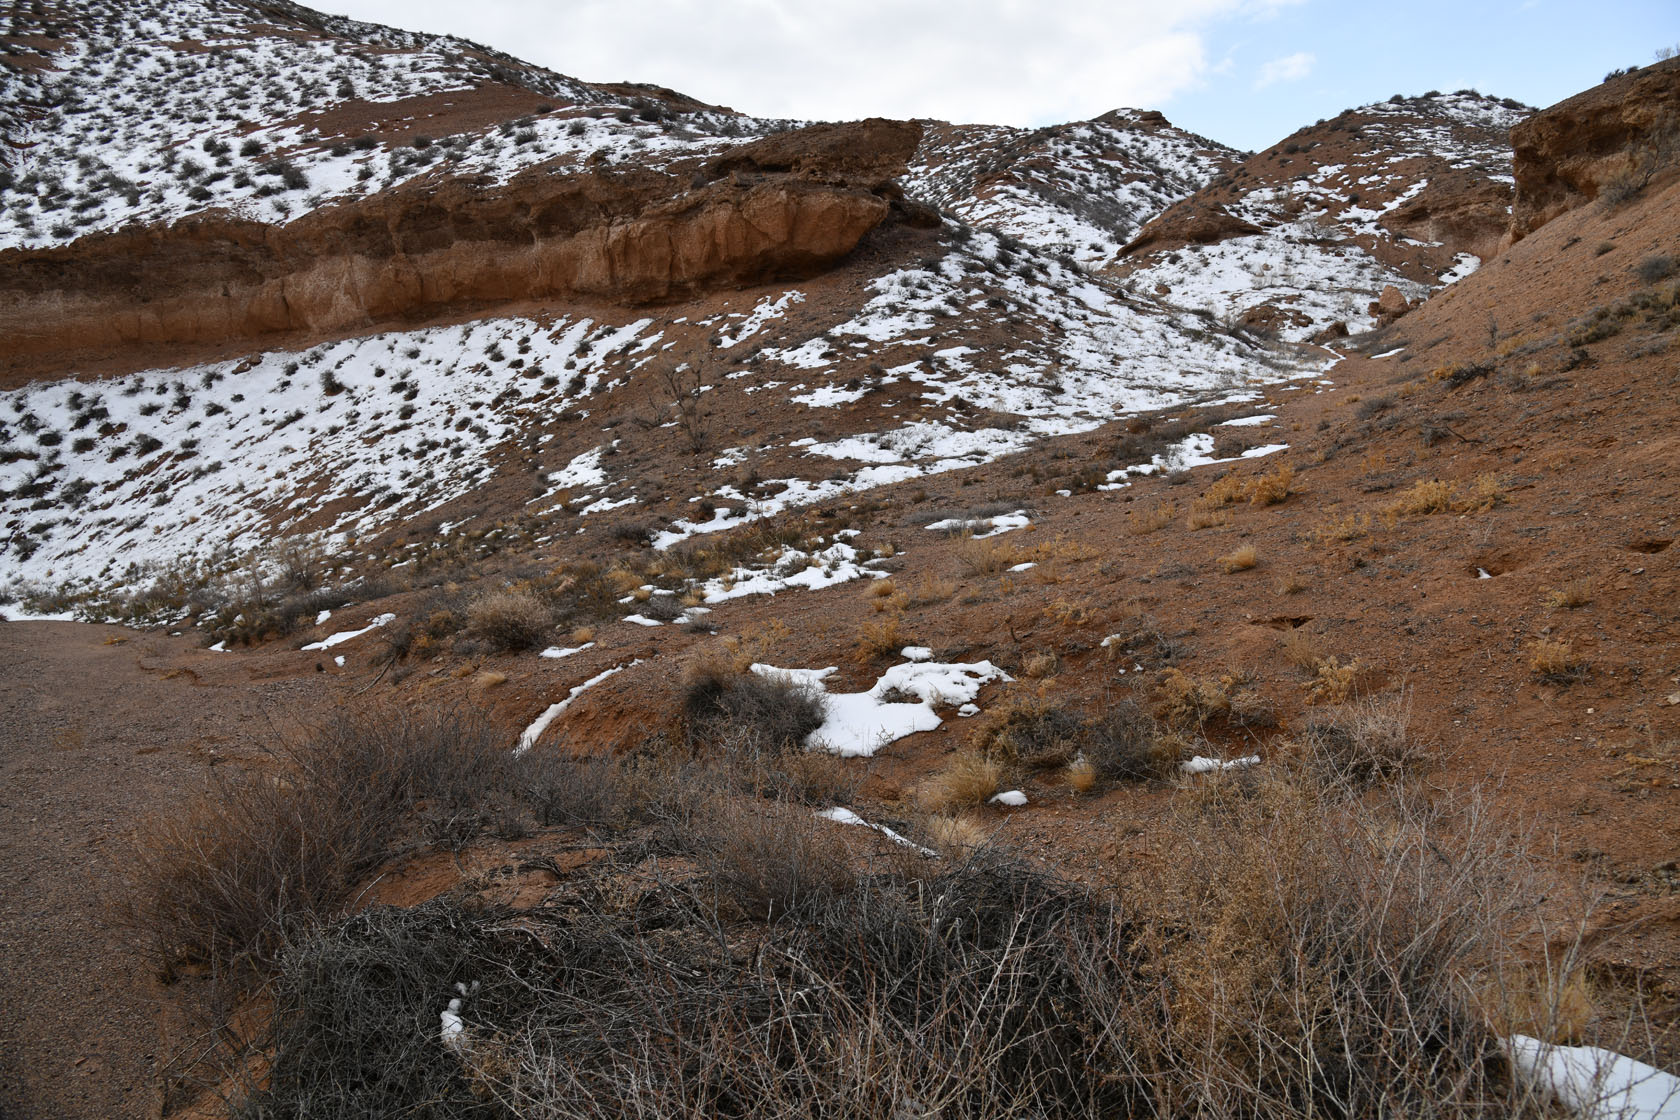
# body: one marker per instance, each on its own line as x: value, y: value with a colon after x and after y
x: 1627, y: 128
x: 785, y: 207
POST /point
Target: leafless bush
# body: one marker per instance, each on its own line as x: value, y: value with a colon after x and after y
x: 1330, y: 955
x: 1123, y: 743
x: 227, y: 881
x: 1283, y: 955
x: 510, y: 619
x: 745, y: 712
x: 1364, y: 743
x: 767, y: 862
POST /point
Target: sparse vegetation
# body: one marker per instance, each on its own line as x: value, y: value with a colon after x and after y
x: 1363, y: 743
x: 1554, y: 661
x: 729, y: 708
x: 1230, y: 972
x: 510, y: 619
x: 1571, y: 596
x: 264, y: 858
x: 1240, y: 560
x: 967, y: 779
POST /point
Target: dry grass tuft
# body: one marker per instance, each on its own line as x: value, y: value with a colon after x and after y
x: 966, y: 780
x: 1042, y: 665
x: 1081, y: 775
x: 1152, y: 520
x: 1240, y: 560
x: 1064, y: 612
x: 987, y: 557
x: 1551, y: 1001
x: 1571, y: 596
x: 1301, y: 649
x: 1271, y: 488
x: 1203, y: 516
x: 1554, y: 661
x: 954, y: 835
x: 1333, y: 682
x: 932, y: 589
x: 1428, y: 496
x: 879, y: 639
x: 1348, y: 527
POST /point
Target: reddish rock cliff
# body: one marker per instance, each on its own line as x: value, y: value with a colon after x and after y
x: 784, y: 207
x: 1629, y: 128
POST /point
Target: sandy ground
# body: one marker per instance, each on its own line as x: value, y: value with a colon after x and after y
x: 99, y: 728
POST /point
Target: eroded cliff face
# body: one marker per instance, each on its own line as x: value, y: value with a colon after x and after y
x: 785, y: 207
x: 1564, y: 156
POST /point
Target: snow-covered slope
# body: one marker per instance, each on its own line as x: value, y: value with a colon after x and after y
x: 1405, y: 193
x: 102, y: 481
x: 1083, y: 189
x: 926, y: 351
x: 146, y: 113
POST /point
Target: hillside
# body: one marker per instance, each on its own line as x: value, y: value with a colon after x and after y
x: 1288, y: 535
x: 1411, y: 193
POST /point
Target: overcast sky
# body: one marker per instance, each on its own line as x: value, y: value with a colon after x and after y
x: 1245, y: 72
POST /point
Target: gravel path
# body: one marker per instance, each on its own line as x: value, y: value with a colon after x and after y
x: 99, y: 728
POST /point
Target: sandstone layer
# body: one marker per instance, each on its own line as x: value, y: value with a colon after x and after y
x: 1628, y: 128
x: 786, y: 207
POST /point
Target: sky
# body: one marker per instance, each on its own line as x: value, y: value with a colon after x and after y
x: 1243, y: 72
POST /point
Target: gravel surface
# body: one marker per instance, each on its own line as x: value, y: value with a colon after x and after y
x: 99, y: 728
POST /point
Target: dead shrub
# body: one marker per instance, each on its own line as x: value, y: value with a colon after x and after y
x: 1363, y: 744
x: 1328, y: 950
x: 813, y: 778
x: 1140, y: 638
x: 1283, y: 956
x: 1333, y: 682
x: 745, y: 713
x: 1124, y: 744
x: 509, y: 620
x: 229, y: 880
x: 1187, y: 702
x: 1030, y: 730
x: 768, y: 863
x: 599, y: 792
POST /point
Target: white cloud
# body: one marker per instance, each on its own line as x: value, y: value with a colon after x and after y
x: 1290, y: 68
x: 997, y: 61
